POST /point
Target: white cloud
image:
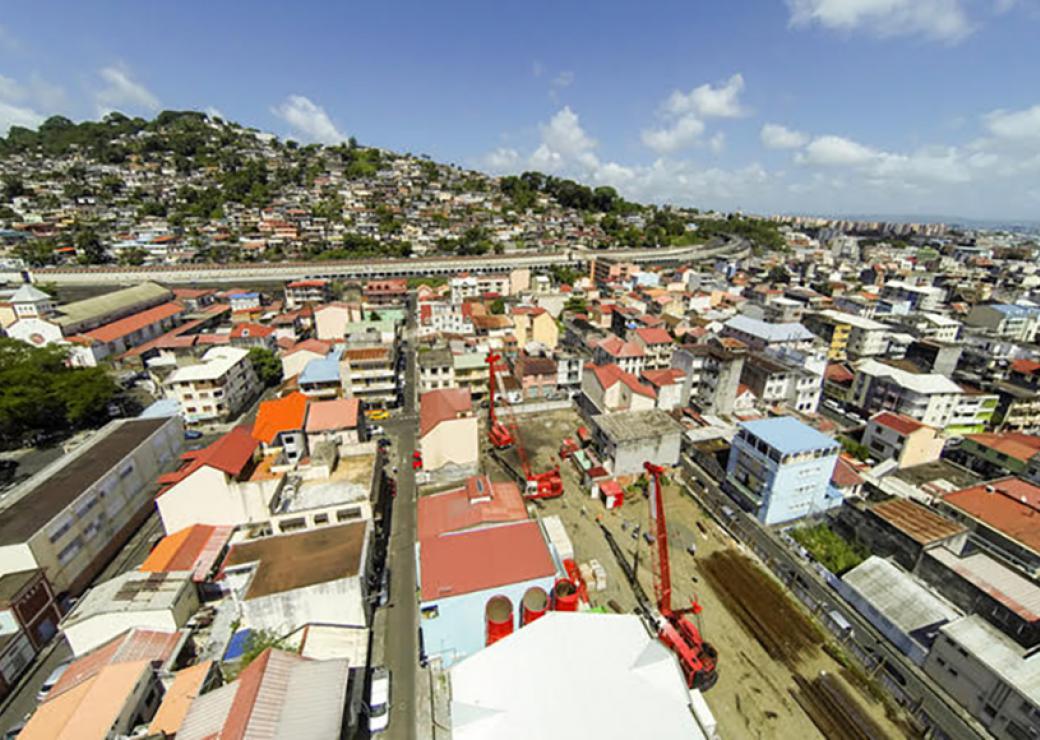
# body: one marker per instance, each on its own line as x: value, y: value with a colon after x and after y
x: 775, y: 136
x: 122, y: 90
x: 836, y: 151
x: 943, y: 20
x: 17, y: 115
x: 501, y: 161
x: 708, y: 101
x: 681, y: 134
x: 308, y: 120
x: 717, y: 142
x: 564, y: 142
x: 214, y: 112
x: 1017, y: 125
x: 47, y: 95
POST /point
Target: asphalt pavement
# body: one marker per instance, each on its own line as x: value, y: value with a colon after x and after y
x: 402, y: 623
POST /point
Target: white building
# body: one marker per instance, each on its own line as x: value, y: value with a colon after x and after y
x: 216, y: 388
x: 927, y: 397
x: 506, y: 691
x: 156, y: 601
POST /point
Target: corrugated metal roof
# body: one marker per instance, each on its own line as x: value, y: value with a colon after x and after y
x: 897, y: 595
x: 1019, y: 594
x: 207, y: 713
x: 312, y: 703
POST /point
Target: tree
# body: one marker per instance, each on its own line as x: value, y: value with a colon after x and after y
x: 13, y: 187
x: 35, y: 252
x: 498, y: 306
x: 267, y: 366
x: 779, y: 274
x: 89, y: 248
x: 135, y: 256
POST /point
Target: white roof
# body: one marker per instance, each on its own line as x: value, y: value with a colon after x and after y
x: 939, y: 320
x: 999, y: 653
x: 898, y: 596
x: 29, y: 293
x: 569, y: 675
x: 215, y: 364
x: 852, y: 319
x: 789, y: 332
x: 926, y: 383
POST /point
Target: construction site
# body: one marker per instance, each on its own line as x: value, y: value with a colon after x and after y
x: 775, y: 674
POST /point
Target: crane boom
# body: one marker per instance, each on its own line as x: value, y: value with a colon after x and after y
x: 662, y: 566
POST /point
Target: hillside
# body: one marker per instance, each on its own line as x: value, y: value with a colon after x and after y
x: 188, y: 187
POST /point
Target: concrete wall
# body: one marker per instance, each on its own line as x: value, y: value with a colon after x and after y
x: 88, y: 634
x: 628, y: 457
x: 452, y: 442
x: 458, y: 630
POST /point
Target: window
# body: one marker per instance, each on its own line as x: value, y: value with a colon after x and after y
x: 126, y: 471
x: 69, y: 551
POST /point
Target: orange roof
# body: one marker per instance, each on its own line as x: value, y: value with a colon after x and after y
x: 231, y: 454
x: 341, y: 413
x: 121, y: 328
x: 90, y: 709
x: 1008, y: 505
x: 442, y: 405
x: 617, y: 347
x: 284, y: 414
x: 1026, y: 366
x: 1013, y: 444
x: 898, y: 422
x: 135, y: 644
x: 195, y: 548
x: 187, y: 684
x: 654, y: 335
x: 479, y: 503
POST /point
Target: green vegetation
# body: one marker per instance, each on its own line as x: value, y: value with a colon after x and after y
x: 576, y: 304
x: 762, y: 234
x: 565, y: 274
x: 498, y: 307
x: 266, y: 365
x: 40, y: 395
x: 835, y: 553
x: 857, y: 450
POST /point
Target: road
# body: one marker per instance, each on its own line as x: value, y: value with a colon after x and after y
x: 366, y: 269
x: 22, y: 700
x: 943, y: 711
x: 402, y: 623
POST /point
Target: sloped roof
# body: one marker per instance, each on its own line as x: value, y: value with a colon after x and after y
x: 135, y: 644
x: 246, y: 329
x: 898, y: 422
x: 1008, y: 505
x: 442, y: 405
x: 1013, y: 444
x: 617, y: 347
x: 187, y: 685
x: 484, y: 558
x: 109, y: 303
x: 278, y: 695
x: 29, y: 293
x: 117, y: 329
x: 922, y: 525
x: 654, y: 335
x: 479, y: 502
x: 285, y: 414
x: 231, y: 454
x: 195, y: 548
x: 341, y: 413
x: 91, y: 709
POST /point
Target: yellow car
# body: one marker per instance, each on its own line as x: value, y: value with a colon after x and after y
x: 377, y: 414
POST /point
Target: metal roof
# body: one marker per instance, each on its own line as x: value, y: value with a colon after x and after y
x: 999, y: 653
x: 1019, y: 594
x: 899, y: 597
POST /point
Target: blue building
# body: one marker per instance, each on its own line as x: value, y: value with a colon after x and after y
x: 780, y: 469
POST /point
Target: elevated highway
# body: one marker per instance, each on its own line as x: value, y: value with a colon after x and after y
x: 277, y: 272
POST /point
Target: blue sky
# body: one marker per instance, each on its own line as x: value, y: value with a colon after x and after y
x: 808, y: 106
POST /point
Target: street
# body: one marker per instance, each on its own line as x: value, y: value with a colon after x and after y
x: 402, y: 623
x: 927, y: 698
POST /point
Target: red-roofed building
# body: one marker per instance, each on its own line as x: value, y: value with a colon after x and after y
x: 117, y: 337
x: 480, y: 503
x: 280, y: 424
x: 339, y: 420
x: 608, y: 388
x: 892, y: 436
x: 448, y: 431
x: 627, y: 355
x: 657, y: 346
x: 198, y: 549
x: 295, y: 360
x: 250, y: 334
x: 303, y: 292
x: 225, y: 483
x: 667, y: 386
x: 461, y: 572
x: 1002, y: 514
x: 385, y: 292
x: 996, y: 454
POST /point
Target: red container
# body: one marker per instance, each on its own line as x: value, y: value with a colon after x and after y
x: 565, y: 596
x: 534, y: 605
x: 498, y: 618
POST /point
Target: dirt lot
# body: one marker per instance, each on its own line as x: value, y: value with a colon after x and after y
x: 770, y: 656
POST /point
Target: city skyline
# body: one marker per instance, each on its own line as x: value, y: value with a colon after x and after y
x: 806, y: 106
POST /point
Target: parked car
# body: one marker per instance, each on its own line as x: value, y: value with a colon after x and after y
x: 379, y: 700
x: 377, y: 414
x: 51, y: 680
x: 375, y: 430
x: 192, y: 434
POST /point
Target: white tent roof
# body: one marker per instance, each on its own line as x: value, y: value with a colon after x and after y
x: 571, y: 675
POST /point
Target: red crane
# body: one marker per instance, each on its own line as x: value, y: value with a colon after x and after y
x: 696, y: 657
x: 536, y: 485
